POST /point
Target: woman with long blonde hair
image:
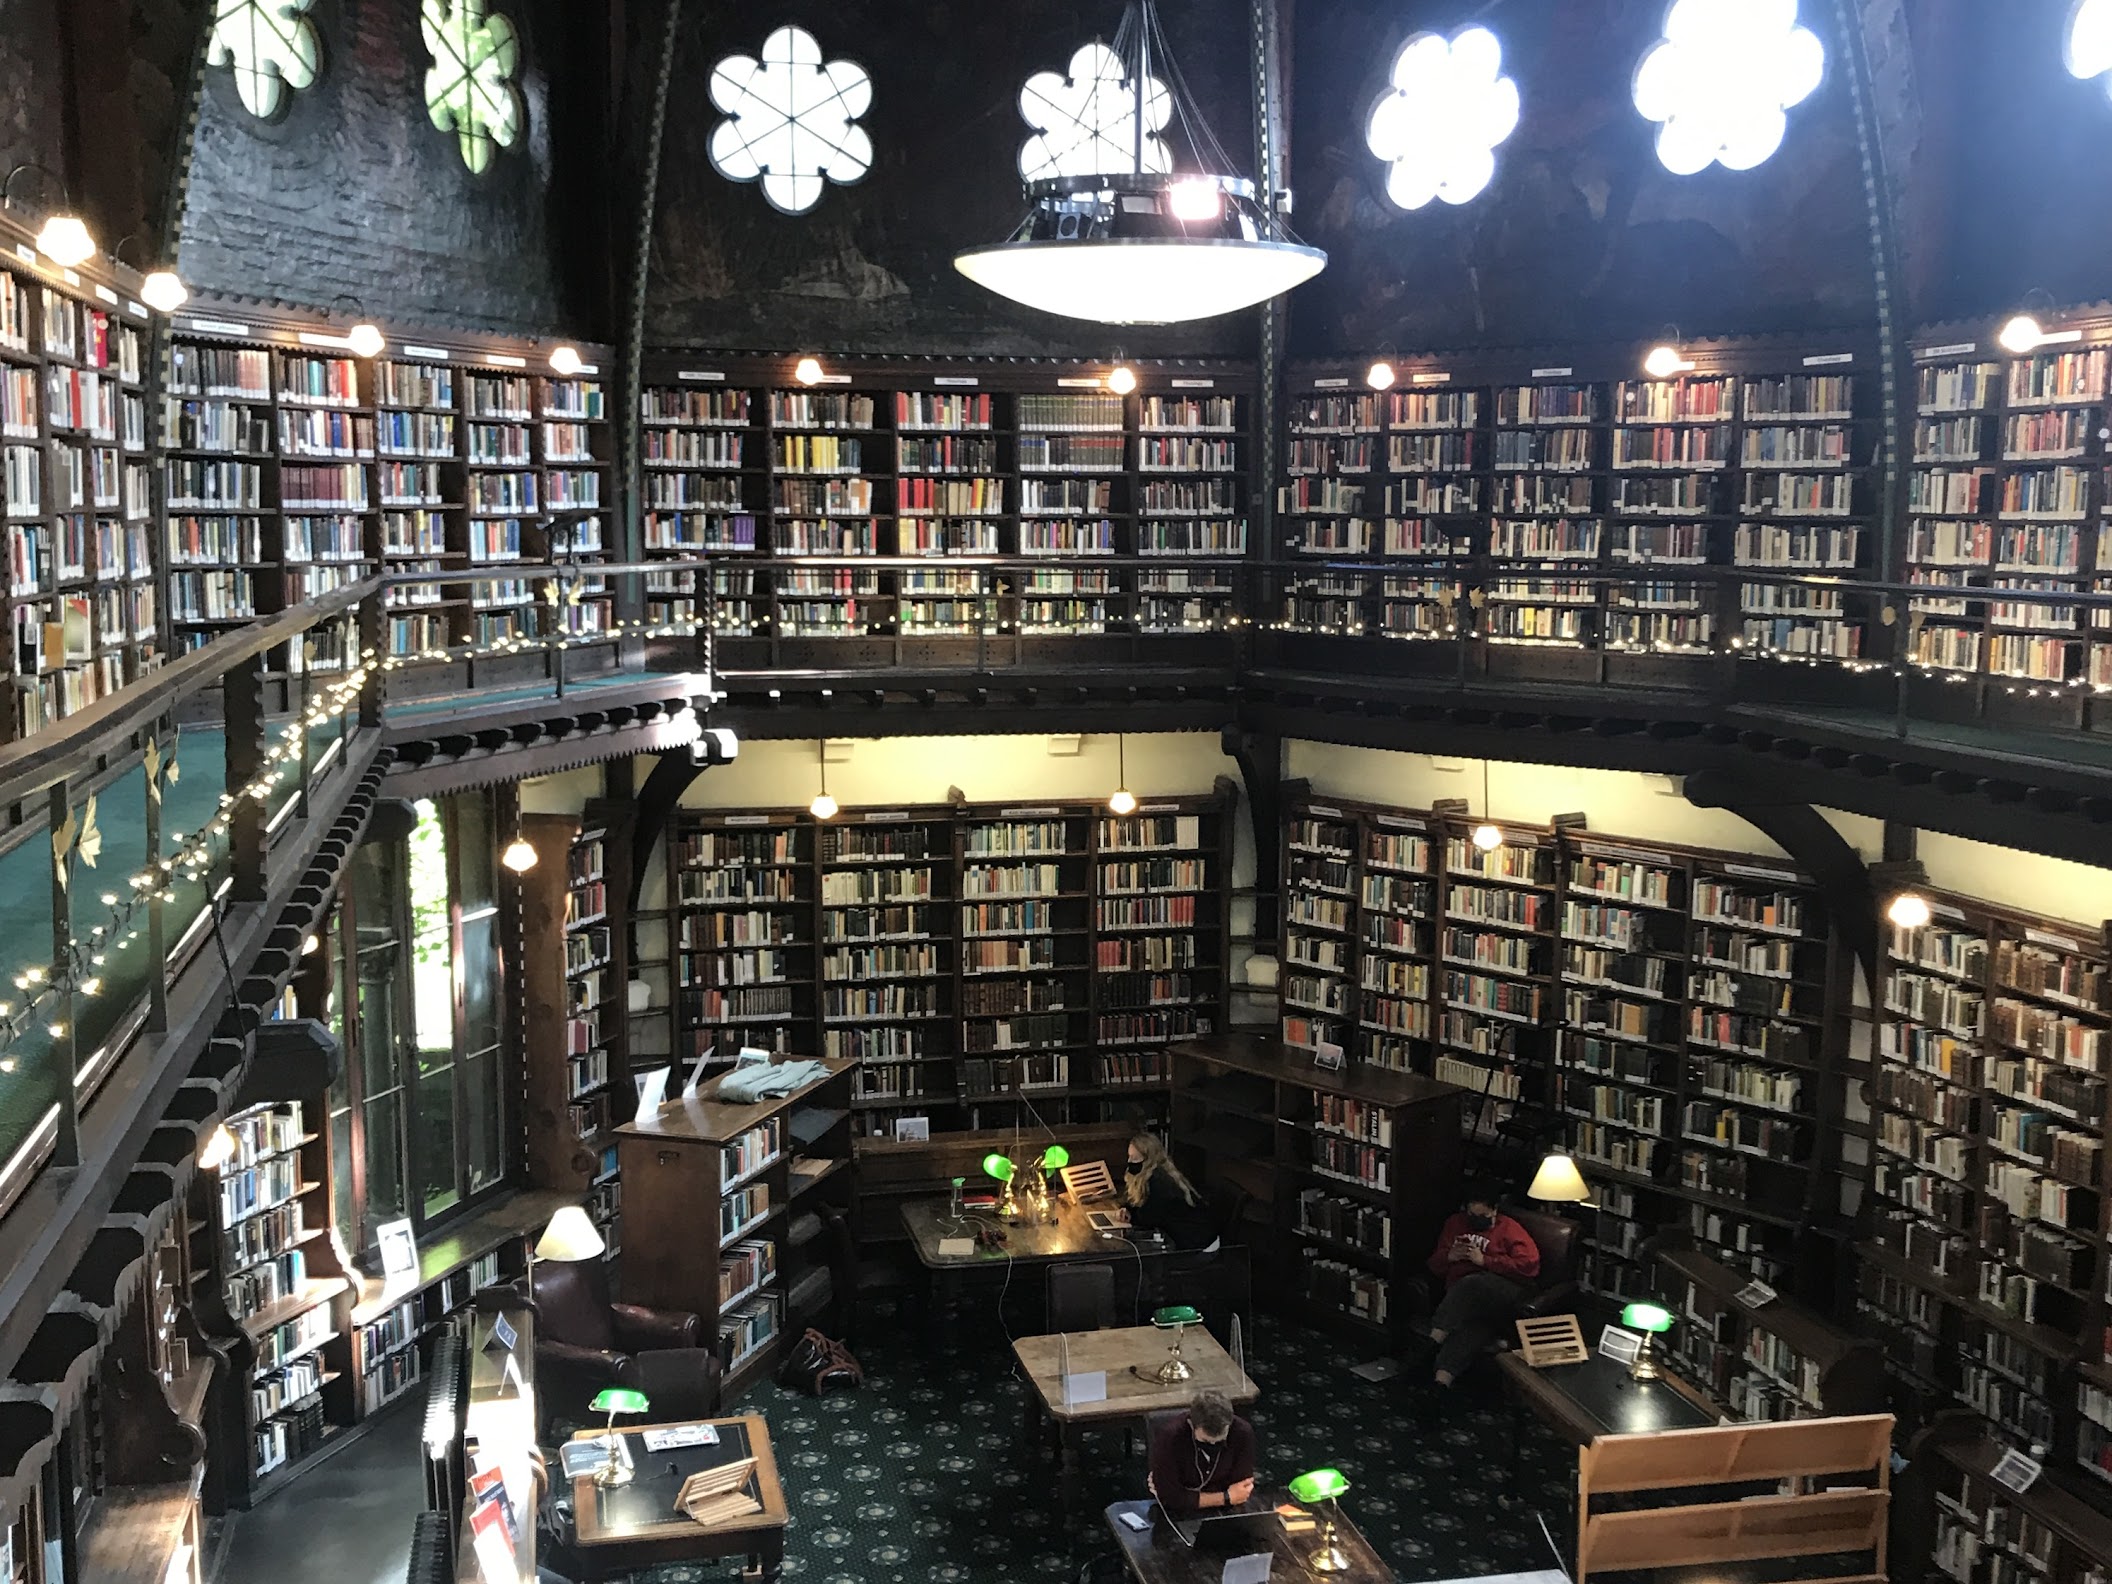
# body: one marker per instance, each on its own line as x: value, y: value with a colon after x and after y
x: 1161, y: 1199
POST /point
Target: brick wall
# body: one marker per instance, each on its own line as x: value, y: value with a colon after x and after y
x: 354, y: 191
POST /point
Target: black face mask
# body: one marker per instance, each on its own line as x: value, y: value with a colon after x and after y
x: 1131, y: 1168
x: 1480, y: 1223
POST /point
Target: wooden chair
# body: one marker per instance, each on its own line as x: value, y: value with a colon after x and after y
x: 857, y: 1277
x: 1081, y: 1297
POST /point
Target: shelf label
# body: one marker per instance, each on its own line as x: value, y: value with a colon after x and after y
x: 956, y: 379
x: 701, y: 374
x: 2043, y: 938
x: 226, y: 327
x: 1955, y: 349
x: 1944, y: 910
x: 585, y: 369
x: 1029, y: 813
x: 1553, y: 373
x: 1398, y: 822
x: 1755, y: 872
x: 1193, y: 384
x: 1332, y: 384
x: 1757, y: 1295
x: 315, y: 338
x: 1444, y: 378
x: 1066, y: 382
x: 835, y: 379
x: 25, y: 253
x: 2016, y: 1471
x: 506, y: 360
x: 745, y: 819
x: 876, y: 816
x: 107, y: 295
x: 1828, y: 359
x: 1634, y: 854
x: 136, y: 310
x: 70, y: 277
x: 1324, y: 813
x: 424, y: 354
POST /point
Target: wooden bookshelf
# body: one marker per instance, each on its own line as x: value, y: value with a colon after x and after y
x: 575, y: 939
x: 1349, y: 1173
x: 1985, y: 1270
x: 1680, y: 995
x: 943, y: 461
x: 1774, y: 1359
x: 1488, y: 489
x: 295, y: 467
x: 743, y: 1170
x: 1967, y: 1527
x: 76, y: 488
x: 981, y: 961
x: 286, y: 1295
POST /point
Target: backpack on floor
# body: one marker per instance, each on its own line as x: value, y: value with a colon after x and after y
x: 818, y: 1364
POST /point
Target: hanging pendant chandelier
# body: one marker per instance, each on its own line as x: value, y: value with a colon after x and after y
x: 1115, y: 234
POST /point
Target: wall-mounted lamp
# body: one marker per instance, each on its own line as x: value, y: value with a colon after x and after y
x: 217, y: 1150
x: 1663, y: 361
x: 808, y: 371
x: 1900, y: 887
x: 1486, y: 835
x: 64, y: 237
x: 519, y: 856
x: 1379, y: 376
x: 1121, y: 379
x: 566, y: 360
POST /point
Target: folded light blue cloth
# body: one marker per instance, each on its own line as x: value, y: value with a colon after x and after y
x: 757, y: 1080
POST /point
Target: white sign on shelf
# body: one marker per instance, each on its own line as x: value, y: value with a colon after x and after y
x: 1084, y: 1386
x: 2016, y: 1471
x: 1757, y: 1294
x: 399, y: 1254
x: 1620, y: 1346
x: 652, y: 1092
x: 913, y: 1130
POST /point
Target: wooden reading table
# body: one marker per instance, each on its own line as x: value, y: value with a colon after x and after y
x: 1156, y: 1554
x: 1120, y: 1353
x: 638, y: 1526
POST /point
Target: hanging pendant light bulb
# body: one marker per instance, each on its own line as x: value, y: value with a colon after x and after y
x: 823, y: 807
x: 1486, y: 836
x: 1123, y: 801
x: 519, y: 856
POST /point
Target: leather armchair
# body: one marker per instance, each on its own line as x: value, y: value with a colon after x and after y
x: 1555, y: 1288
x: 584, y: 1341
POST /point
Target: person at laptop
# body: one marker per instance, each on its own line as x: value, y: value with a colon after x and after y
x: 1161, y: 1200
x: 1486, y: 1261
x: 1205, y: 1462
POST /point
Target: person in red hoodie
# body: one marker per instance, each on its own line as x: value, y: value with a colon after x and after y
x: 1485, y: 1260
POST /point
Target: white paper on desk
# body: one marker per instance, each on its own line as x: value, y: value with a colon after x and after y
x: 652, y: 1092
x: 1620, y: 1346
x: 1086, y: 1386
x: 1249, y: 1569
x: 956, y: 1248
x: 674, y: 1436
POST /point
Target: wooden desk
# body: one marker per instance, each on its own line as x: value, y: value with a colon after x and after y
x: 1121, y: 1352
x: 638, y: 1526
x: 1028, y: 1242
x: 1585, y: 1401
x: 1156, y: 1556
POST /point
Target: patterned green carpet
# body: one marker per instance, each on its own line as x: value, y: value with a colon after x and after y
x: 924, y: 1473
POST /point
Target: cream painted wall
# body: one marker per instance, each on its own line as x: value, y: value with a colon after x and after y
x: 1619, y: 802
x: 2032, y: 883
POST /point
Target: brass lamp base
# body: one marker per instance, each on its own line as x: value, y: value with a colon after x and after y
x: 614, y: 1472
x: 1330, y: 1558
x: 1173, y: 1371
x: 1645, y: 1366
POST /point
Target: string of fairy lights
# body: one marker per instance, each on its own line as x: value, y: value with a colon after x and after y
x: 78, y: 970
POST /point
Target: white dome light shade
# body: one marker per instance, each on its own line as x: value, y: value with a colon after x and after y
x: 1449, y: 109
x: 1085, y: 122
x: 2021, y: 335
x: 2088, y: 46
x: 64, y: 240
x: 791, y: 120
x: 163, y: 291
x: 1722, y: 78
x: 1141, y: 282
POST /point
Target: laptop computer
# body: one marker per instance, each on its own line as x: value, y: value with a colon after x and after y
x: 1227, y: 1531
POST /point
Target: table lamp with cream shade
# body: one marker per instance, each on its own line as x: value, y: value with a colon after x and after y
x: 571, y: 1235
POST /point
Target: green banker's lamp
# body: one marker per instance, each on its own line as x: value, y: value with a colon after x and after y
x: 1053, y: 1159
x: 1310, y: 1490
x: 1652, y: 1320
x: 613, y: 1400
x: 1176, y: 1318
x: 1001, y: 1168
